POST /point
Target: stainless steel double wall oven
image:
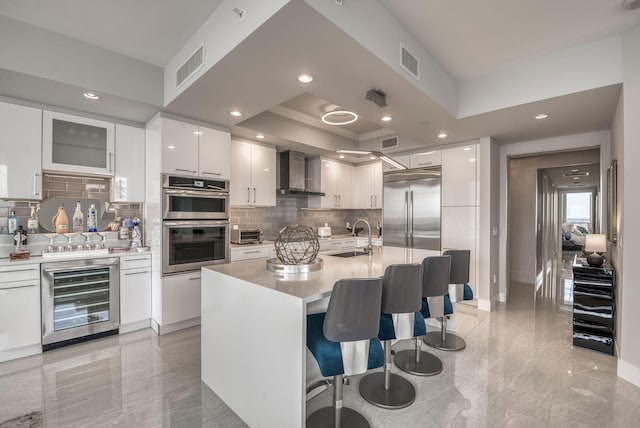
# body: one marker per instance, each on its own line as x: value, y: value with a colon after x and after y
x: 195, y: 230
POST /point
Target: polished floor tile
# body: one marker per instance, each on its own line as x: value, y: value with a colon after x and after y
x: 518, y: 370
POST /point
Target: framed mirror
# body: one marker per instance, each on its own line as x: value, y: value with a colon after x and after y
x: 612, y: 201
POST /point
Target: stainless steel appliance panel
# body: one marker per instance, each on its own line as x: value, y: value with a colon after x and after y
x: 188, y: 198
x: 79, y: 298
x: 411, y: 208
x: 190, y: 245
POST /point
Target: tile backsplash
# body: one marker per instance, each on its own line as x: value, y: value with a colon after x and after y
x: 292, y: 210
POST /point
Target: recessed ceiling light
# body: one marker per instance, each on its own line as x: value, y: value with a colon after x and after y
x: 91, y: 95
x: 472, y: 160
x: 260, y: 137
x: 197, y: 132
x: 386, y: 118
x: 541, y: 116
x: 443, y: 135
x: 373, y: 157
x: 575, y: 170
x: 235, y: 113
x: 339, y: 117
x: 171, y: 147
x: 576, y: 178
x: 305, y: 78
x: 341, y: 156
x: 466, y: 149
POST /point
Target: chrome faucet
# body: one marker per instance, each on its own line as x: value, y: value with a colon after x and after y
x: 369, y: 249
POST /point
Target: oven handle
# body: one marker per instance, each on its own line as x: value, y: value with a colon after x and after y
x: 199, y: 193
x: 197, y: 223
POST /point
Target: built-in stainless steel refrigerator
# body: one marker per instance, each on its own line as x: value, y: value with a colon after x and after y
x: 411, y: 209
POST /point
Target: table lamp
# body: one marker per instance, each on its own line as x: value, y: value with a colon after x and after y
x: 595, y: 243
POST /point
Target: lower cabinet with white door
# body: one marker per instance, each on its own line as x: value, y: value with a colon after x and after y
x: 20, y: 326
x: 135, y: 292
x: 180, y: 302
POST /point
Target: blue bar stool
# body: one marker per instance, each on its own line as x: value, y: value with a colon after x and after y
x: 458, y: 275
x: 400, y: 319
x: 344, y: 342
x: 435, y: 281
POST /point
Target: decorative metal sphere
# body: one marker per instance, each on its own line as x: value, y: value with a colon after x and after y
x: 297, y: 245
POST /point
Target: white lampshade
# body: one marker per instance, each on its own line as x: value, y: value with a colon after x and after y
x: 595, y: 242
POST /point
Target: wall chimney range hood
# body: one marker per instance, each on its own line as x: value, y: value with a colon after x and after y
x: 293, y: 175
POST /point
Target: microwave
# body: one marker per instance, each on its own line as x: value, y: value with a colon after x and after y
x: 246, y: 236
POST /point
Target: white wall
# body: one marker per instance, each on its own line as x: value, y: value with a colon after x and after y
x: 560, y: 73
x: 629, y: 363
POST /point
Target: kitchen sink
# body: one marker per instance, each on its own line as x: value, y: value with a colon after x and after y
x: 352, y: 253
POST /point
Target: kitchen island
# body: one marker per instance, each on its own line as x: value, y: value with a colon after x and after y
x: 254, y: 330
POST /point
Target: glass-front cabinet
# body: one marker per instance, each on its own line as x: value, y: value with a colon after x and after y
x: 77, y: 144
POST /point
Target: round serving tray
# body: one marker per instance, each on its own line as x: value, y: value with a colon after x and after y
x: 276, y: 265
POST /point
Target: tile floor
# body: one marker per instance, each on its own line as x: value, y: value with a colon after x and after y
x: 518, y: 370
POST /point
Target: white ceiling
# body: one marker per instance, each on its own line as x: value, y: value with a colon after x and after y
x: 472, y: 38
x: 468, y: 38
x: 149, y: 30
x: 591, y: 181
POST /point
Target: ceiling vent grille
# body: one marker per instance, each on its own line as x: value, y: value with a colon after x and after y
x: 409, y: 62
x: 389, y: 143
x: 190, y: 66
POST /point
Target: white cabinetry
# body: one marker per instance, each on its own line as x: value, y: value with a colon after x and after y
x: 459, y: 183
x: 250, y: 253
x: 128, y: 182
x: 77, y: 144
x: 20, y: 333
x: 368, y: 186
x: 335, y: 182
x: 253, y: 174
x: 193, y: 150
x: 135, y: 292
x: 426, y: 159
x: 20, y: 152
x: 337, y: 244
x: 180, y: 300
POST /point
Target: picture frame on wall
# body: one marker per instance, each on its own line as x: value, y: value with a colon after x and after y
x: 612, y: 201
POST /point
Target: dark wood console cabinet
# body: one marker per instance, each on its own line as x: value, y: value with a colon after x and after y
x: 594, y: 307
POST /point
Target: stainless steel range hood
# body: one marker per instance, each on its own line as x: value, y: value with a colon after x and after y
x: 293, y: 176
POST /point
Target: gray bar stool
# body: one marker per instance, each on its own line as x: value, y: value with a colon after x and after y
x: 401, y: 296
x: 435, y: 280
x: 459, y: 274
x: 344, y: 342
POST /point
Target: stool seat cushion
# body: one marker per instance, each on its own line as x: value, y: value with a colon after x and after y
x: 387, y: 331
x: 328, y: 353
x: 448, y: 307
x: 467, y: 293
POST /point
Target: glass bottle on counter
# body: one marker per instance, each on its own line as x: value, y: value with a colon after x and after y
x: 33, y: 225
x: 92, y: 219
x: 12, y: 223
x: 60, y: 221
x: 78, y: 218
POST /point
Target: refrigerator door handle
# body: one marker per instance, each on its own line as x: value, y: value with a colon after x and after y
x: 406, y: 218
x: 411, y: 214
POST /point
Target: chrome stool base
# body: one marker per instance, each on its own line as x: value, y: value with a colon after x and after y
x: 428, y: 365
x: 324, y: 418
x: 451, y: 342
x: 401, y: 393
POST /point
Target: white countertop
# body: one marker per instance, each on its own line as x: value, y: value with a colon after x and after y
x: 314, y: 286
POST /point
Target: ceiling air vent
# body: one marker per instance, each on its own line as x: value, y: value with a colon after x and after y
x: 409, y: 62
x: 389, y: 143
x: 190, y: 66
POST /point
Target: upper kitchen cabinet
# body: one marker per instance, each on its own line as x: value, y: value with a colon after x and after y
x: 425, y: 160
x: 20, y: 152
x: 253, y: 174
x: 335, y: 182
x: 459, y: 182
x: 368, y: 186
x: 128, y: 182
x: 77, y: 144
x: 193, y: 150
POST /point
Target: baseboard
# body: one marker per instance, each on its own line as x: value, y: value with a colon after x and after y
x: 133, y: 326
x: 24, y: 351
x: 170, y: 328
x: 485, y: 305
x: 629, y: 372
